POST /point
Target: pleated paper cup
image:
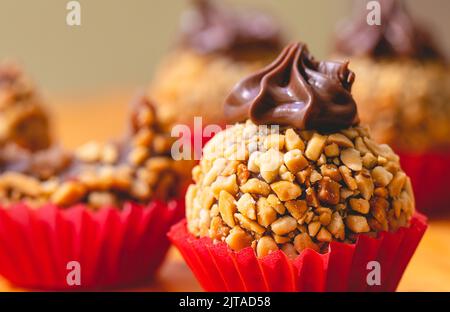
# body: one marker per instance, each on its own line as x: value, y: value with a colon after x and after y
x: 53, y: 249
x: 429, y: 173
x: 345, y: 267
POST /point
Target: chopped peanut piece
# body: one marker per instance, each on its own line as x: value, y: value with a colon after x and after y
x: 350, y: 133
x: 324, y: 235
x: 253, y: 162
x: 230, y: 168
x: 248, y: 224
x: 352, y: 159
x: 295, y: 161
x: 276, y: 204
x: 365, y: 185
x: 68, y: 193
x: 397, y: 183
x: 336, y: 226
x: 360, y: 205
x: 315, y: 176
x: 361, y: 146
x: 270, y: 163
x: 325, y: 217
x: 315, y: 146
x: 275, y: 141
x: 297, y: 208
x: 348, y: 179
x: 313, y: 228
x: 303, y: 241
x: 266, y: 214
x: 213, y: 173
x: 228, y: 184
x: 286, y: 190
x: 284, y: 225
x: 378, y: 208
x: 331, y: 171
x: 329, y: 191
x: 227, y: 208
x: 293, y: 141
x: 332, y: 150
x: 357, y: 224
x: 311, y: 197
x: 256, y: 186
x: 238, y: 239
x: 246, y: 205
x: 265, y: 246
x: 340, y: 140
x: 369, y: 161
x: 381, y: 176
x: 281, y: 239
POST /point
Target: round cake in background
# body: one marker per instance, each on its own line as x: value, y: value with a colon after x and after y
x: 403, y: 85
x: 217, y: 46
x: 297, y: 187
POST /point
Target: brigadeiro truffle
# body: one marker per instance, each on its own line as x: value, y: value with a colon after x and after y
x: 105, y: 206
x: 297, y: 196
x: 217, y: 46
x: 23, y: 119
x: 403, y: 92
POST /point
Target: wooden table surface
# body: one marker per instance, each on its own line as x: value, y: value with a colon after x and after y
x: 429, y: 270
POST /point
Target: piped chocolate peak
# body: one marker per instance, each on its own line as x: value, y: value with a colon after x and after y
x: 210, y: 27
x: 296, y: 91
x: 399, y: 35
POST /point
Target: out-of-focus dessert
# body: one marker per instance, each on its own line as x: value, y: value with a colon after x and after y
x: 403, y: 86
x: 403, y: 91
x: 217, y: 46
x: 107, y: 206
x: 23, y: 119
x: 139, y: 168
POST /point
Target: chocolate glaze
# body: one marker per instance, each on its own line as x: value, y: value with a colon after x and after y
x: 397, y: 36
x: 210, y: 27
x: 296, y: 91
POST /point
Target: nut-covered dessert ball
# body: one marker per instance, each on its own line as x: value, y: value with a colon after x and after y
x: 300, y: 172
x: 23, y: 120
x: 217, y: 47
x: 403, y: 86
x: 139, y: 169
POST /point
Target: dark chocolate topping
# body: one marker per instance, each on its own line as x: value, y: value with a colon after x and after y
x: 297, y: 91
x: 397, y: 36
x: 209, y: 27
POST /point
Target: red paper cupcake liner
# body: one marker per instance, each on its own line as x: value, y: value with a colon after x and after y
x: 342, y: 268
x: 113, y: 247
x: 429, y: 175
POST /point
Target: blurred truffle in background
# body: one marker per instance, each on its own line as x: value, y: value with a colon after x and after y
x: 403, y: 85
x: 403, y: 92
x: 217, y: 46
x: 23, y: 120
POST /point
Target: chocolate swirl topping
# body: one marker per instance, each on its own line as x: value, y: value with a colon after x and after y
x: 209, y: 27
x: 297, y: 91
x: 397, y: 36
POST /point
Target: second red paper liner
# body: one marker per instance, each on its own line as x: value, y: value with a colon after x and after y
x: 113, y: 247
x: 342, y: 268
x: 429, y: 174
